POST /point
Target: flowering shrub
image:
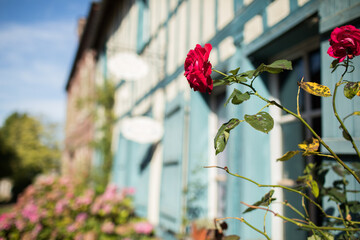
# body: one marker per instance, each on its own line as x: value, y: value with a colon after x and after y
x: 52, y: 208
x: 344, y: 46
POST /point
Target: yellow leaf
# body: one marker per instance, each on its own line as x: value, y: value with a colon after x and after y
x: 315, y: 89
x: 311, y: 147
x: 314, y: 146
x: 303, y: 146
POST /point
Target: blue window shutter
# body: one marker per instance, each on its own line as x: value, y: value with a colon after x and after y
x: 198, y: 157
x: 171, y: 188
x: 140, y: 161
x: 120, y: 165
x: 330, y: 128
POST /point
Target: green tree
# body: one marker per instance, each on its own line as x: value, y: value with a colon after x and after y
x: 28, y: 148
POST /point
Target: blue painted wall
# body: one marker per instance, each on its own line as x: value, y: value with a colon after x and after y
x: 187, y: 128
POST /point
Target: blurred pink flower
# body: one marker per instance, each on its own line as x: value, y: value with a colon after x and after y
x: 35, y: 232
x: 30, y: 212
x: 72, y: 227
x: 69, y: 195
x: 20, y: 224
x: 95, y: 208
x: 6, y: 220
x: 106, y: 208
x: 65, y: 181
x: 143, y: 228
x: 85, y: 200
x: 108, y: 227
x: 46, y: 180
x: 79, y: 236
x: 110, y: 192
x: 81, y: 217
x: 60, y: 206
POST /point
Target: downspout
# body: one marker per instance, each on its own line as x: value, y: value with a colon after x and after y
x: 185, y: 159
x: 276, y: 168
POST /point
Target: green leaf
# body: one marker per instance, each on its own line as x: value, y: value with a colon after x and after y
x: 237, y: 97
x: 223, y: 134
x: 315, y: 89
x: 334, y: 63
x: 339, y: 170
x: 351, y: 89
x: 314, y: 188
x: 336, y: 195
x: 281, y: 64
x: 235, y: 71
x: 320, y: 237
x: 346, y: 135
x: 231, y: 237
x: 240, y: 79
x: 261, y: 121
x: 249, y: 74
x: 275, y: 67
x: 265, y: 201
x: 288, y: 156
x: 354, y: 206
x: 219, y: 83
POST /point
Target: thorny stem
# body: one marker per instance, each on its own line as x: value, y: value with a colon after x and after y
x: 279, y: 186
x: 219, y: 72
x: 336, y: 157
x: 297, y: 98
x: 305, y: 217
x: 306, y: 212
x: 298, y: 116
x: 343, y: 220
x: 247, y: 223
x: 302, y: 225
x: 271, y: 186
x: 335, y: 110
x: 295, y: 210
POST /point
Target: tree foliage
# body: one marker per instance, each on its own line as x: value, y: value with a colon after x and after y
x: 27, y: 148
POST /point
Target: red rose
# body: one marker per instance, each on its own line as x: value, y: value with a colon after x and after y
x: 198, y: 68
x: 344, y: 41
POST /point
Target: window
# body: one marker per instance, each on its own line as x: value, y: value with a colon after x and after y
x: 306, y: 64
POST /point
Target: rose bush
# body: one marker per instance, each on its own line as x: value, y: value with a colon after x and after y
x: 344, y: 42
x: 198, y: 68
x: 311, y: 187
x: 53, y: 208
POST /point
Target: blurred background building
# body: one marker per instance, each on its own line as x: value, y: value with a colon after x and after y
x: 163, y: 132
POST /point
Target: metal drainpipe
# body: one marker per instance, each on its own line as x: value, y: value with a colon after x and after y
x: 276, y: 168
x: 185, y: 163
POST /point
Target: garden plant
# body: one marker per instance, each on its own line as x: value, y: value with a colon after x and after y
x: 54, y: 208
x: 343, y: 224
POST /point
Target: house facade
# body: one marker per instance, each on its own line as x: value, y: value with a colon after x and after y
x: 77, y: 157
x: 172, y: 186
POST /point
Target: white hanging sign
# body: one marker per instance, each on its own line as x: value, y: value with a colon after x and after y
x: 127, y: 66
x: 142, y: 129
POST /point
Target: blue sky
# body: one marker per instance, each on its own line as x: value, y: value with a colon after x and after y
x: 38, y: 42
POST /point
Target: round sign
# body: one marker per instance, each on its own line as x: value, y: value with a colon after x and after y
x: 127, y: 66
x: 142, y: 129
